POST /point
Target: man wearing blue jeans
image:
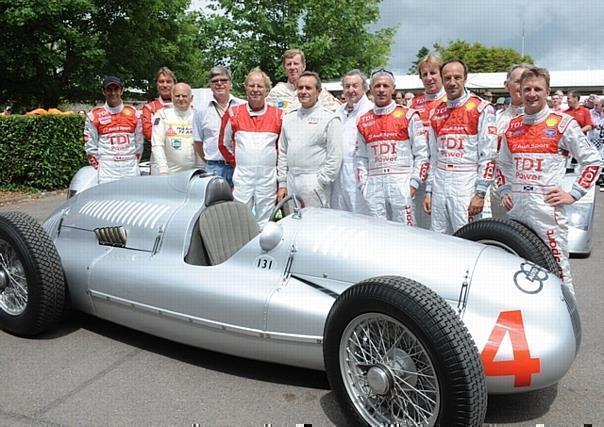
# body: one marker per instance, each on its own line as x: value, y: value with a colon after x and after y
x: 206, y: 123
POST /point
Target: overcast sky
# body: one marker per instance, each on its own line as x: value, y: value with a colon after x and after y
x: 559, y: 35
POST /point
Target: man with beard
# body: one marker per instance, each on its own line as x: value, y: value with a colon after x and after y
x: 113, y: 135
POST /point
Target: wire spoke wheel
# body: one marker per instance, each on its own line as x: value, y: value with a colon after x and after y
x: 13, y: 283
x: 32, y: 285
x: 396, y: 353
x: 388, y: 372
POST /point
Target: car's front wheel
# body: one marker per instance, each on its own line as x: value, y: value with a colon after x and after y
x: 397, y: 354
x: 32, y: 285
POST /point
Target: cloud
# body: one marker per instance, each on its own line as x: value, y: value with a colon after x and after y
x: 558, y: 35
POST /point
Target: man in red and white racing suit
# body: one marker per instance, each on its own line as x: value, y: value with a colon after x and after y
x: 248, y: 141
x: 392, y: 154
x: 532, y: 164
x: 113, y: 135
x: 463, y: 146
x: 429, y: 73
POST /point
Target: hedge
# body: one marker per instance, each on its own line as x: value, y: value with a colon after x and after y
x: 40, y: 152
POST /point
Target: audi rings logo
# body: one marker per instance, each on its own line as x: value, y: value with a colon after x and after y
x: 530, y: 278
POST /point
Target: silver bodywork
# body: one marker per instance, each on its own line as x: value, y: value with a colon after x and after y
x: 123, y: 247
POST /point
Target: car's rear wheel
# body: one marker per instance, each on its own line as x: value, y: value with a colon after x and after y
x: 397, y: 354
x: 513, y: 237
x: 32, y: 285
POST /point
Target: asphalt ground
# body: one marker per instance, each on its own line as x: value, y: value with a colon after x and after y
x: 93, y: 372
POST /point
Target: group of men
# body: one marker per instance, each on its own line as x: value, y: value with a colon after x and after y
x: 362, y: 156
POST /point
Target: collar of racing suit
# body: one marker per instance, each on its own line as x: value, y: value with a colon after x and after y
x: 531, y: 119
x: 114, y: 110
x: 257, y: 112
x: 357, y: 106
x: 454, y: 103
x: 516, y: 110
x: 182, y: 113
x: 166, y: 103
x: 437, y: 95
x: 307, y: 111
x: 384, y: 110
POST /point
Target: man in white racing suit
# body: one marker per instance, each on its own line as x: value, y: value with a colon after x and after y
x: 463, y: 146
x: 392, y: 153
x: 113, y: 135
x: 248, y: 141
x: 532, y: 164
x: 284, y: 94
x: 172, y: 135
x: 310, y: 147
x: 345, y: 194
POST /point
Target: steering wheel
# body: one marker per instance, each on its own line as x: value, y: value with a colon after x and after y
x: 298, y: 204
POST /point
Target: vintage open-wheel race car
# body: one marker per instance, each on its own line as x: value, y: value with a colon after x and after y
x: 411, y: 327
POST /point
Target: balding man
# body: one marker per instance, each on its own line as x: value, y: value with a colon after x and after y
x: 172, y: 137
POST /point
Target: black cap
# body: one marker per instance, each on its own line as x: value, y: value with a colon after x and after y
x: 111, y: 80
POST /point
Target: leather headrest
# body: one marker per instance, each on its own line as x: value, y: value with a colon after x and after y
x: 217, y: 191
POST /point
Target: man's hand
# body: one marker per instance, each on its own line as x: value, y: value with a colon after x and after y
x: 476, y: 205
x: 281, y: 193
x: 558, y: 197
x: 507, y: 202
x: 412, y: 190
x: 428, y: 204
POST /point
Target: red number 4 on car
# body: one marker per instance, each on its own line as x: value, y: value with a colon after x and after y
x: 522, y: 366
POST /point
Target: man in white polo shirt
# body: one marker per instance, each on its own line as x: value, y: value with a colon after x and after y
x: 206, y: 123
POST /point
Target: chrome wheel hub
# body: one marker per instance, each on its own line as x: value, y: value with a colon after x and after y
x: 378, y: 380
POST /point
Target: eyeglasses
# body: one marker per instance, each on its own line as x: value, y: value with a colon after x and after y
x: 382, y: 71
x: 219, y: 81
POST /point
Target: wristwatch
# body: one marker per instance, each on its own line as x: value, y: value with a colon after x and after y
x: 481, y: 194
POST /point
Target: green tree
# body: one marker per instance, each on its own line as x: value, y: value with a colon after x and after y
x: 480, y: 58
x: 423, y: 51
x: 333, y: 34
x: 55, y: 50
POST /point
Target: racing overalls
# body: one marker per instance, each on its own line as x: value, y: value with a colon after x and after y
x: 248, y: 142
x: 345, y: 194
x: 463, y: 147
x: 310, y: 154
x: 391, y: 157
x: 172, y: 141
x: 424, y: 103
x: 532, y: 161
x: 113, y: 140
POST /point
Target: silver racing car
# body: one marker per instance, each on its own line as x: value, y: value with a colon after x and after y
x: 411, y: 327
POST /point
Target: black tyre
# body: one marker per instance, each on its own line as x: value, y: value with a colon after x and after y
x: 32, y: 286
x: 513, y: 237
x: 397, y: 354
